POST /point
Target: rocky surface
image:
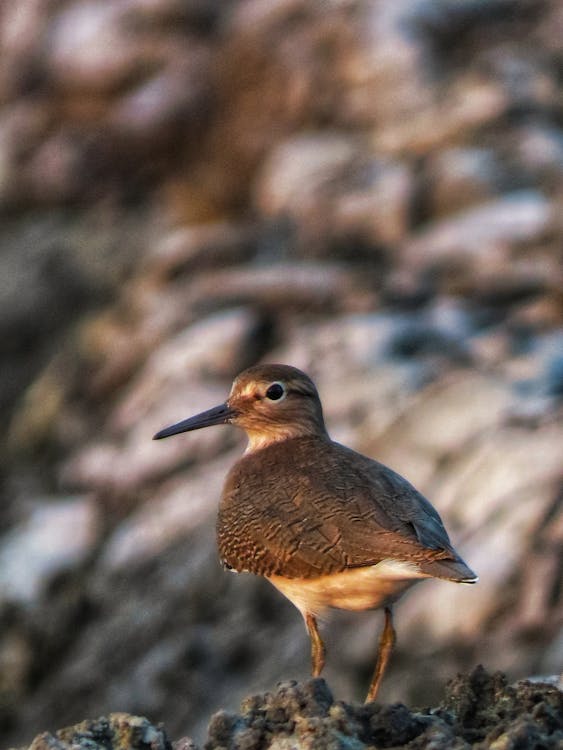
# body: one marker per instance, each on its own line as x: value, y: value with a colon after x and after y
x: 479, y: 711
x: 368, y: 190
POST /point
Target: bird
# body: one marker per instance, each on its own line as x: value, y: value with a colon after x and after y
x: 329, y: 527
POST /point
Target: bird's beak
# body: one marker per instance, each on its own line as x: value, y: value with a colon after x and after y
x: 218, y: 415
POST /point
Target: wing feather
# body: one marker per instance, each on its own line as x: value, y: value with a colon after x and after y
x: 283, y: 513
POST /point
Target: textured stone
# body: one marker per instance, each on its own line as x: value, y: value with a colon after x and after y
x: 183, y: 504
x: 119, y: 731
x: 456, y: 178
x: 56, y: 537
x: 81, y: 38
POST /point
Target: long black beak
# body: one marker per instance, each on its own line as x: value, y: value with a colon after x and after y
x: 218, y: 415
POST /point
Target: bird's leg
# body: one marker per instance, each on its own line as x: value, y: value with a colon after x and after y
x: 386, y: 643
x: 317, y: 645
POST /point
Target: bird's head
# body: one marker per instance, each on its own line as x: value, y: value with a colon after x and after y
x: 269, y: 402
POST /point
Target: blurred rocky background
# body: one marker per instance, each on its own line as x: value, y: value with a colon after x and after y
x: 369, y: 190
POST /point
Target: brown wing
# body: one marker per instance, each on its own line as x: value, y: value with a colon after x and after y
x: 286, y: 514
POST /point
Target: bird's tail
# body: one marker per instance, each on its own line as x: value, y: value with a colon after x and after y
x: 450, y: 570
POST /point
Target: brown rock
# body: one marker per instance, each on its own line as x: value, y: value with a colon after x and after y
x: 456, y: 178
x: 472, y: 103
x: 198, y: 247
x: 291, y: 286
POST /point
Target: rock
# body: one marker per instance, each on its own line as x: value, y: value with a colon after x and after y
x: 472, y: 103
x: 539, y: 149
x: 80, y: 36
x: 169, y: 387
x: 201, y: 15
x: 316, y: 176
x: 119, y: 731
x: 181, y: 505
x: 479, y: 710
x: 368, y: 190
x: 193, y: 248
x: 381, y: 71
x: 495, y: 497
x: 158, y: 111
x: 375, y: 206
x: 20, y: 37
x: 476, y: 247
x: 430, y: 429
x: 16, y: 662
x: 124, y: 466
x: 22, y: 128
x: 305, y: 287
x: 299, y: 168
x: 457, y: 178
x: 214, y: 347
x: 57, y: 536
x: 54, y: 172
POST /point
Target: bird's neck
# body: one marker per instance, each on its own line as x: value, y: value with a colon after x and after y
x: 260, y: 439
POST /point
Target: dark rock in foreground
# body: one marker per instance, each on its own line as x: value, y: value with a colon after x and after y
x: 479, y: 711
x: 118, y: 731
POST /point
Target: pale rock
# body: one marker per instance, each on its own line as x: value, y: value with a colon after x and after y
x: 438, y: 422
x: 174, y: 383
x: 493, y: 497
x: 20, y: 26
x: 539, y: 148
x: 181, y: 505
x: 480, y: 480
x: 361, y: 389
x: 316, y: 176
x: 214, y: 346
x: 172, y: 11
x: 57, y: 536
x: 187, y: 248
x: 526, y: 79
x: 471, y: 103
x: 125, y: 466
x: 476, y: 244
x: 168, y: 102
x: 297, y: 170
x: 262, y: 14
x: 376, y: 205
x: 304, y: 286
x: 383, y: 69
x: 90, y: 48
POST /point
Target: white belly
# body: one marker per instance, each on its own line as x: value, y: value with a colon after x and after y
x: 357, y: 589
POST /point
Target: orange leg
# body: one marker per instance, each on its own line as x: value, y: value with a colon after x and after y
x: 386, y: 643
x: 317, y: 645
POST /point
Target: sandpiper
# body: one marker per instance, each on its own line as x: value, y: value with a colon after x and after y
x: 324, y: 524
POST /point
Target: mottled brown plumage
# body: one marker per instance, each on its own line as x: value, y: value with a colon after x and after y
x: 325, y: 525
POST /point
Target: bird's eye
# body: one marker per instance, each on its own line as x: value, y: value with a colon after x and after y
x: 275, y: 392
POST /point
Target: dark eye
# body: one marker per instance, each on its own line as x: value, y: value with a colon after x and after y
x: 275, y: 392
